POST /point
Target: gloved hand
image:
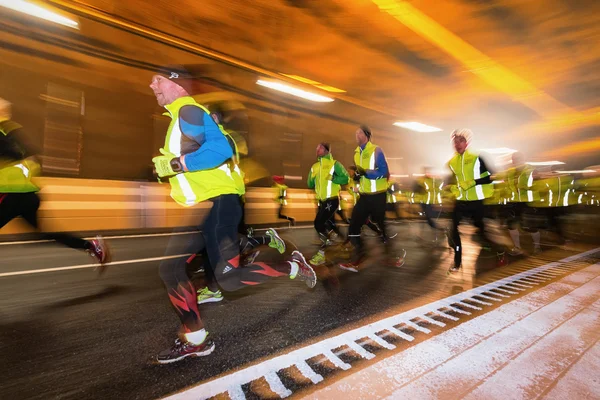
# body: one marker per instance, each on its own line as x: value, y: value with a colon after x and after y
x: 467, y: 184
x: 360, y: 170
x: 162, y: 164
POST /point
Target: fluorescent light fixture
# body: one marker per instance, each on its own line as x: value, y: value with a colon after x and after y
x: 315, y: 83
x: 418, y: 174
x: 500, y: 150
x: 294, y: 91
x: 417, y: 126
x: 399, y: 176
x: 39, y: 12
x: 579, y: 171
x: 292, y: 177
x: 545, y: 163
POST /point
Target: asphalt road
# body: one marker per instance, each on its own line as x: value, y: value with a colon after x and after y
x: 70, y: 334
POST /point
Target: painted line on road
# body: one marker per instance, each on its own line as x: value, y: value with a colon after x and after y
x: 144, y: 235
x: 139, y: 260
x: 353, y: 340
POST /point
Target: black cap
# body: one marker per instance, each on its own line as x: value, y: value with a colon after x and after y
x: 367, y: 131
x: 187, y: 76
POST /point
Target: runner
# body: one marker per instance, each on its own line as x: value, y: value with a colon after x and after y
x: 18, y: 194
x: 473, y: 185
x: 281, y: 197
x: 520, y: 184
x: 372, y: 172
x: 325, y: 177
x: 197, y: 161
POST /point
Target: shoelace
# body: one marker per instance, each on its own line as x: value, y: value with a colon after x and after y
x: 178, y: 346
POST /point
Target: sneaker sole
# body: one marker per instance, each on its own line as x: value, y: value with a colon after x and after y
x: 211, y: 300
x: 197, y: 354
x: 348, y: 269
x: 280, y: 239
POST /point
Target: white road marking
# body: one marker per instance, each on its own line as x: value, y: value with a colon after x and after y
x: 144, y: 235
x: 456, y: 361
x: 139, y: 260
x: 232, y: 383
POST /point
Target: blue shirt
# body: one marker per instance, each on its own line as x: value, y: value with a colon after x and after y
x: 203, y: 144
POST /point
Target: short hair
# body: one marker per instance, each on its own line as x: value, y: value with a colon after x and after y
x: 464, y: 133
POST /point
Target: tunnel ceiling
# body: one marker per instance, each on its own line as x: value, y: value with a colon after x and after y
x: 521, y: 74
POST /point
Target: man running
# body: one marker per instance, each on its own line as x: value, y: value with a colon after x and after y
x: 197, y: 161
x: 474, y: 184
x: 325, y: 177
x: 281, y: 197
x: 18, y: 194
x: 520, y: 183
x: 372, y: 172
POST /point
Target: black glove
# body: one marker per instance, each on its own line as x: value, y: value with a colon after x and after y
x: 360, y: 171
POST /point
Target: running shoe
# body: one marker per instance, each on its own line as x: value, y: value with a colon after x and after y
x: 516, y: 251
x: 305, y: 272
x: 454, y: 269
x: 205, y: 295
x: 182, y: 349
x: 350, y: 266
x: 276, y: 241
x: 318, y: 259
x: 100, y: 251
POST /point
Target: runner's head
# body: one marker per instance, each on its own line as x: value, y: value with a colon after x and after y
x: 461, y: 138
x: 363, y: 135
x: 323, y: 149
x: 178, y: 81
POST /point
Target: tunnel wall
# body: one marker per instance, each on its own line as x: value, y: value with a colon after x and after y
x: 107, y: 205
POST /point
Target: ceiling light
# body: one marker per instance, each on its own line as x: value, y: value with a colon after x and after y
x: 500, y: 150
x: 37, y: 11
x: 315, y: 83
x: 545, y: 163
x: 417, y: 175
x: 417, y: 126
x: 294, y: 91
x: 399, y: 176
x: 579, y: 171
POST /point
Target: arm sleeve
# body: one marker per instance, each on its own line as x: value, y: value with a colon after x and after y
x: 214, y: 147
x: 10, y: 148
x: 340, y: 175
x: 381, y: 166
x: 310, y: 181
x: 483, y: 169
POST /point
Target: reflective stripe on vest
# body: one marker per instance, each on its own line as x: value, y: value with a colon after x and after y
x: 465, y: 172
x: 190, y: 188
x: 372, y: 166
x: 365, y: 158
x: 329, y: 182
x: 529, y: 185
